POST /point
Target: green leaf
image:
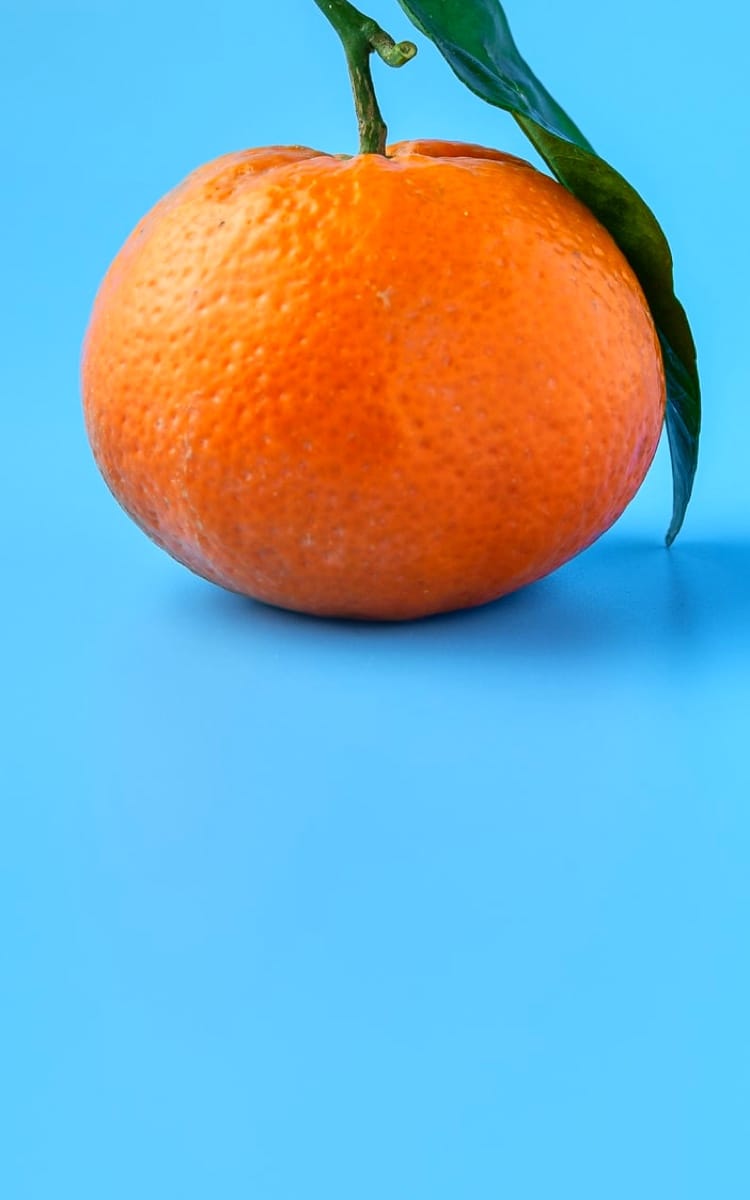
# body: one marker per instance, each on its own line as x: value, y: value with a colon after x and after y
x: 475, y: 38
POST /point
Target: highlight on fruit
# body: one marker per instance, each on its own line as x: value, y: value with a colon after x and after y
x: 399, y: 382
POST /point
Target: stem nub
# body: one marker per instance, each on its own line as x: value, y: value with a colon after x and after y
x: 361, y: 37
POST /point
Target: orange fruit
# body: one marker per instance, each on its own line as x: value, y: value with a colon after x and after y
x: 372, y: 386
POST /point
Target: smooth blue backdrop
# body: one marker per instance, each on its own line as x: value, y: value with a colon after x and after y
x: 300, y: 909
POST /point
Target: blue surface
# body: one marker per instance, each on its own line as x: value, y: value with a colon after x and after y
x: 298, y: 909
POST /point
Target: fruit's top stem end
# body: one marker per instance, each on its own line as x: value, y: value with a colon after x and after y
x: 361, y: 37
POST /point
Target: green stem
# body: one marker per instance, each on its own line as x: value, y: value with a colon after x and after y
x: 361, y: 36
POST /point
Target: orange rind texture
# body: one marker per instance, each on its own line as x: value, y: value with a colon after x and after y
x: 373, y: 387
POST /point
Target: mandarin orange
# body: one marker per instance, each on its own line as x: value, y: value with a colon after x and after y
x: 374, y: 387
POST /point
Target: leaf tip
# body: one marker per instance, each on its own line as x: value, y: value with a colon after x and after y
x: 674, y: 529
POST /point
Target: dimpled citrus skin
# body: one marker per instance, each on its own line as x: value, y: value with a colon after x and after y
x: 376, y: 387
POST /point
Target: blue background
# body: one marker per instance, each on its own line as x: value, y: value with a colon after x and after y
x: 296, y: 908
